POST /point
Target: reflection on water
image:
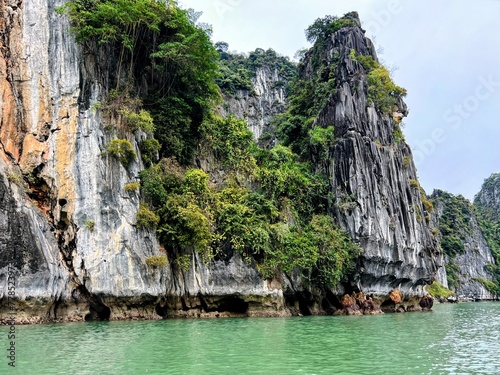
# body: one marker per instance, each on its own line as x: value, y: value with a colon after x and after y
x: 454, y: 339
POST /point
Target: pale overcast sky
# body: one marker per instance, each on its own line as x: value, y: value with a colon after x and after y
x: 447, y: 54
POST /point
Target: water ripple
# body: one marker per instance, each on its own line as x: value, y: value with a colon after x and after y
x: 454, y: 339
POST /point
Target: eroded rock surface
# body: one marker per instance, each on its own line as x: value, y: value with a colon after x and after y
x: 68, y: 226
x: 468, y: 264
x: 373, y: 177
x: 259, y: 105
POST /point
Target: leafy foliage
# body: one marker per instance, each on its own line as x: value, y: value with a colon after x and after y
x: 157, y: 261
x: 454, y: 222
x: 382, y: 91
x: 406, y: 162
x: 452, y: 271
x: 320, y: 247
x: 132, y: 186
x: 113, y: 20
x: 280, y: 223
x: 454, y: 225
x: 311, y: 91
x: 490, y: 285
x: 489, y: 221
x: 122, y: 150
x: 437, y: 290
x: 398, y: 134
x: 323, y: 27
x: 183, y: 261
x: 185, y: 88
x: 236, y: 70
x: 230, y: 140
x: 146, y: 218
x: 149, y: 150
x: 307, y: 99
x: 15, y: 177
x: 283, y: 177
x: 139, y: 121
x: 160, y: 44
x: 269, y: 206
x: 90, y: 224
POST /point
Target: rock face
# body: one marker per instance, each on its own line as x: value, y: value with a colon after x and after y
x: 373, y: 178
x: 257, y: 106
x: 68, y: 226
x: 468, y: 265
x: 487, y: 205
x: 66, y: 223
x: 488, y: 199
x: 51, y: 147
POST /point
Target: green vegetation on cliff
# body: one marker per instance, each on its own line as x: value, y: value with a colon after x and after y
x: 454, y: 225
x: 236, y: 70
x: 161, y: 57
x: 382, y: 91
x: 454, y: 222
x: 324, y: 27
x: 315, y: 84
x: 267, y: 205
x: 439, y: 291
x: 488, y: 214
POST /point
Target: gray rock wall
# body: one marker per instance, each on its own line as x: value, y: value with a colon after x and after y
x: 472, y: 263
x: 489, y: 197
x: 53, y: 136
x: 54, y: 139
x: 373, y: 178
x: 259, y: 105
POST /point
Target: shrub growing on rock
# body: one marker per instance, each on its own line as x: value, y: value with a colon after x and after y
x: 122, y: 150
x: 146, y: 218
x: 157, y: 261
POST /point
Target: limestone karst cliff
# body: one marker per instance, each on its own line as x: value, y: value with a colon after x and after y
x: 377, y: 198
x: 255, y: 88
x: 70, y: 203
x: 487, y: 207
x: 467, y: 253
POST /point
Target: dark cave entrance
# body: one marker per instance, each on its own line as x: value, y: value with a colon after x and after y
x: 98, y: 312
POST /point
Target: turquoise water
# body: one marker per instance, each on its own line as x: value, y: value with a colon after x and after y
x: 453, y: 339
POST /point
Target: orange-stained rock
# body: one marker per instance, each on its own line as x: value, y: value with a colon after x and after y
x: 65, y: 152
x: 360, y: 297
x: 348, y: 301
x: 10, y: 134
x: 34, y: 153
x: 396, y: 296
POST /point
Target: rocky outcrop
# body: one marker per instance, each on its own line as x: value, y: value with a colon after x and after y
x: 38, y: 112
x: 426, y: 303
x: 260, y: 104
x: 372, y: 175
x: 467, y: 263
x: 489, y: 198
x: 68, y: 226
x: 52, y: 147
x: 358, y: 304
x: 28, y: 245
x: 223, y: 288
